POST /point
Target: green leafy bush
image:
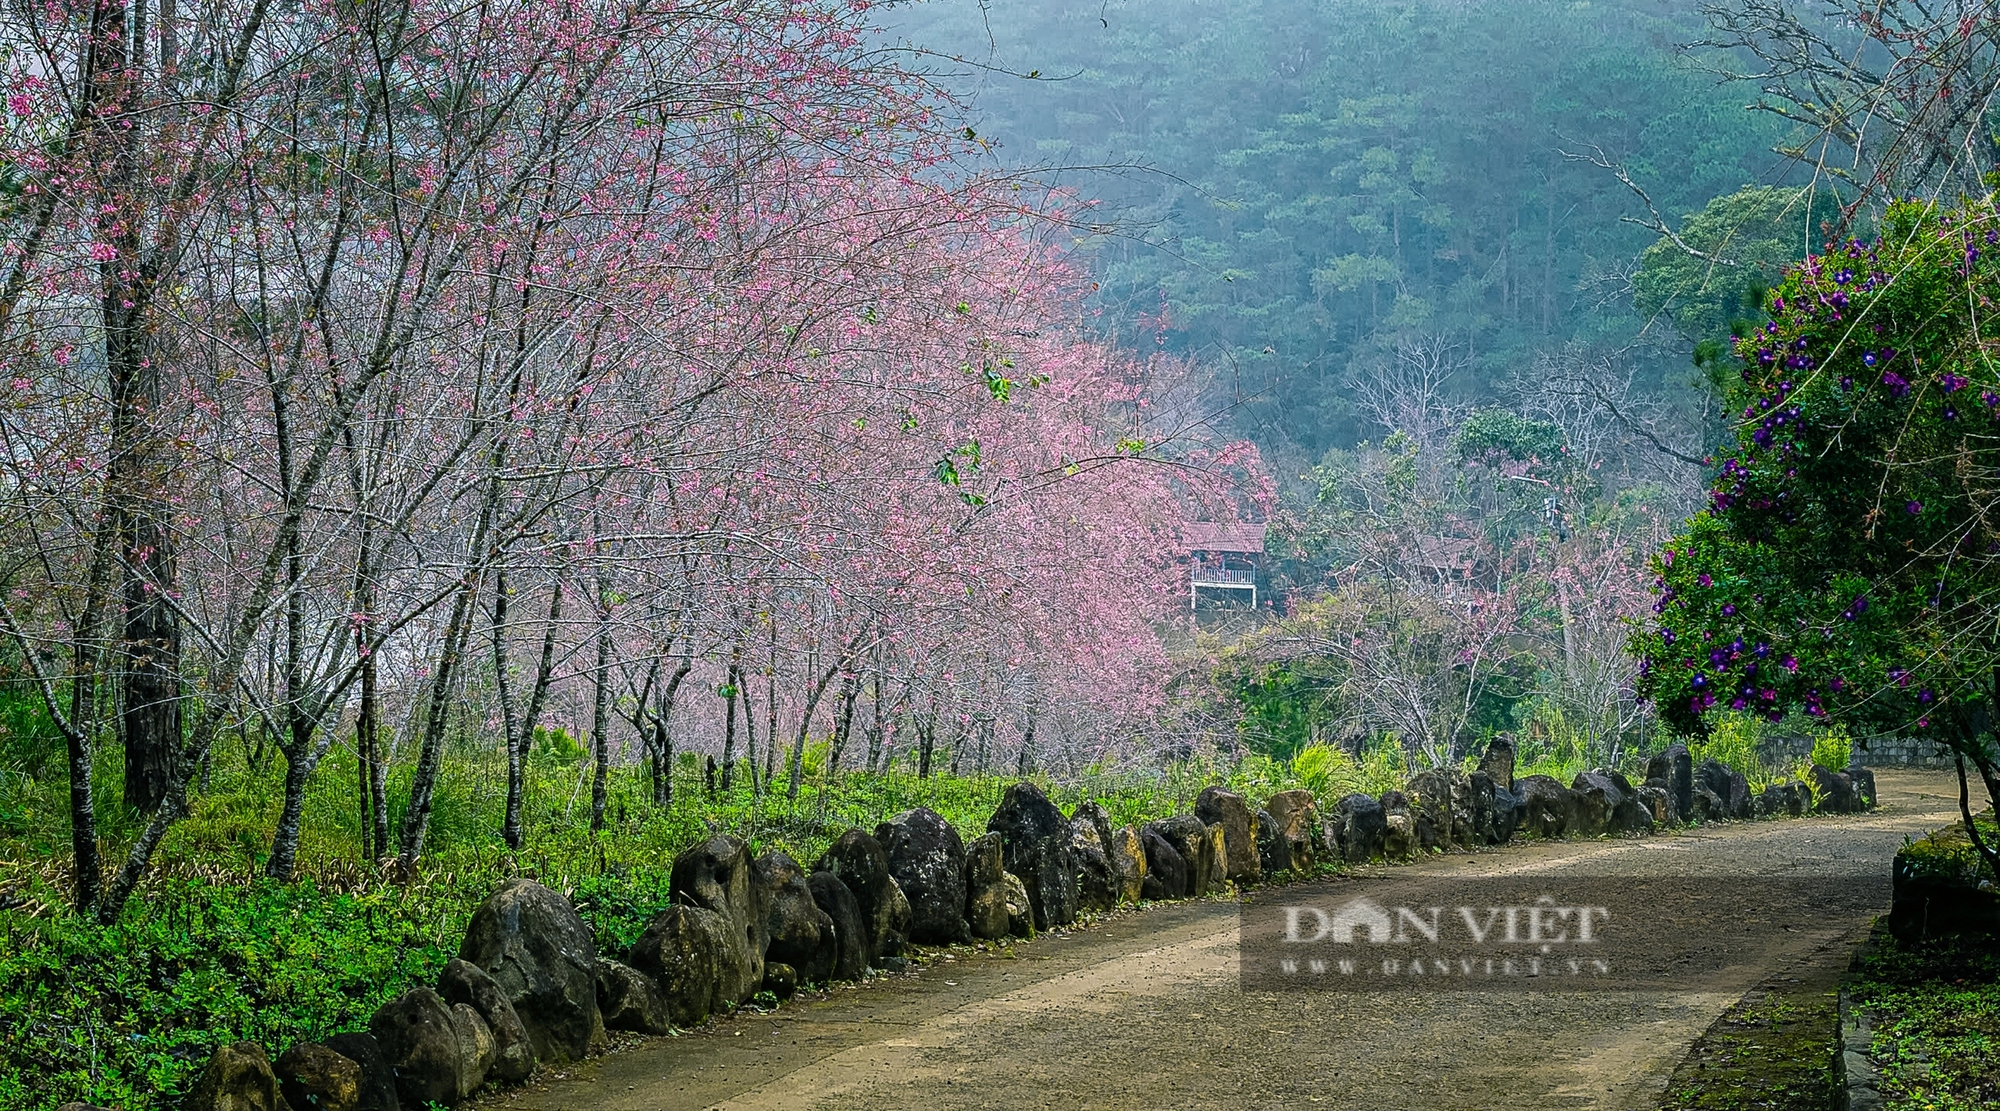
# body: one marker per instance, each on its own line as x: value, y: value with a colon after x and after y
x: 1736, y: 740
x: 1832, y: 748
x: 1326, y: 771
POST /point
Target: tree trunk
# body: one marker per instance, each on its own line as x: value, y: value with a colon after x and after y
x: 927, y: 740
x: 151, y: 635
x: 137, y: 475
x: 876, y: 736
x: 750, y: 766
x: 374, y: 845
x: 430, y: 755
x: 503, y: 689
x: 663, y: 744
x: 729, y: 726
x: 600, y: 716
x: 522, y: 741
x: 850, y: 687
x: 771, y: 708
x: 302, y: 756
x: 805, y: 724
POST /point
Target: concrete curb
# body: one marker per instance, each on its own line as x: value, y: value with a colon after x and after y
x: 1854, y: 1069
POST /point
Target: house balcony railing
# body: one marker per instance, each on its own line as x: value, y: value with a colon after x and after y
x: 1216, y: 576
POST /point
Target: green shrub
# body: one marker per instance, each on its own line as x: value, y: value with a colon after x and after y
x: 1832, y: 749
x: 1384, y: 766
x: 1736, y: 740
x: 1326, y: 771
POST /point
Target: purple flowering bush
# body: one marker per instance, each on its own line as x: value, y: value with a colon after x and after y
x: 1848, y: 564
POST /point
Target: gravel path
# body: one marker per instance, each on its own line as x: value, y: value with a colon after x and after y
x: 1145, y: 1009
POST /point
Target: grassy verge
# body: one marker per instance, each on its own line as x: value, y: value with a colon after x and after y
x: 209, y: 952
x: 1935, y: 1011
x: 1772, y: 1051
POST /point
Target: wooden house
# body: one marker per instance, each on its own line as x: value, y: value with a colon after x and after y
x: 1224, y: 561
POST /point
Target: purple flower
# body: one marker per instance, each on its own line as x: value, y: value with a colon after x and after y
x: 1729, y: 610
x: 1915, y: 507
x: 1952, y: 383
x: 1704, y: 580
x: 1868, y: 358
x: 1790, y: 663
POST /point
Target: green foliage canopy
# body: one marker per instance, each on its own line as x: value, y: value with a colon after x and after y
x: 1729, y: 254
x: 1334, y: 175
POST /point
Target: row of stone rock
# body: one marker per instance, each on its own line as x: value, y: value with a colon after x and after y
x: 1444, y: 808
x: 530, y: 987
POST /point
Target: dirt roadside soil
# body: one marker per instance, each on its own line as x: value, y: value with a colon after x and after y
x: 1146, y: 1009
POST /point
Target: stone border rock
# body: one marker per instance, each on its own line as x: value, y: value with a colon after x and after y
x: 1854, y: 1070
x: 530, y: 987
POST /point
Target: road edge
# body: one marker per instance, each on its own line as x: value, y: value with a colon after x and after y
x: 1855, y: 1069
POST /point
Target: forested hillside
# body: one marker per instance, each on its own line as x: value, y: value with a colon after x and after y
x: 1287, y: 190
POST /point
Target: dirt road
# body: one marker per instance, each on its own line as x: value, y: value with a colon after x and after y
x: 1146, y: 1011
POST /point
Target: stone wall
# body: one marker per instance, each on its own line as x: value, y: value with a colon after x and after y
x: 1902, y: 752
x: 1879, y: 752
x: 1783, y: 749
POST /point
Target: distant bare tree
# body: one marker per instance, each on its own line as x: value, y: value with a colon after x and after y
x: 1410, y: 393
x: 1892, y: 97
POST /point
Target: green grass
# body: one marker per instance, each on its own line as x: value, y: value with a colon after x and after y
x: 1935, y: 1011
x: 209, y: 951
x: 1771, y: 1051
